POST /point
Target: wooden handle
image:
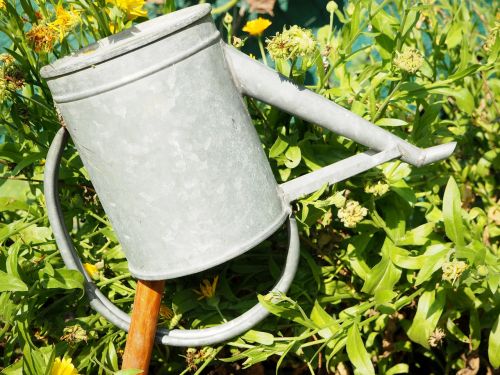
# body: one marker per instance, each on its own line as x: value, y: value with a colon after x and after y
x: 142, y: 331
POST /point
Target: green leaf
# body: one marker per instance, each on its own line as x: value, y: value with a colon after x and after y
x: 357, y: 352
x: 452, y: 213
x: 429, y: 310
x: 279, y: 146
x: 10, y: 283
x: 328, y: 326
x: 454, y: 36
x: 390, y: 122
x: 259, y: 337
x: 417, y: 236
x: 494, y: 344
x: 63, y: 279
x: 435, y: 255
x: 384, y: 275
x: 400, y: 368
x: 293, y: 156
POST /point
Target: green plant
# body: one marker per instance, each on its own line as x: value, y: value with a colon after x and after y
x: 399, y: 269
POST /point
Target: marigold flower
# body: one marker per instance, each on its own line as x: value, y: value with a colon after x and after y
x: 291, y: 43
x: 352, y: 214
x: 132, y: 8
x: 207, y: 290
x: 256, y: 27
x: 65, y: 21
x: 42, y: 38
x: 378, y: 189
x: 92, y: 270
x: 410, y: 60
x: 63, y: 367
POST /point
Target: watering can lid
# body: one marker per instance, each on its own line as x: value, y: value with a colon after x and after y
x: 125, y: 41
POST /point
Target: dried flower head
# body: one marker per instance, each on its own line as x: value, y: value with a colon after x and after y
x: 453, y: 270
x: 436, y: 337
x: 256, y: 27
x: 207, y: 290
x: 194, y: 357
x: 63, y: 367
x: 492, y: 37
x: 292, y: 43
x: 74, y: 334
x: 42, y: 38
x: 352, y: 213
x: 409, y: 60
x: 65, y: 21
x: 166, y: 312
x: 378, y: 189
x: 132, y: 8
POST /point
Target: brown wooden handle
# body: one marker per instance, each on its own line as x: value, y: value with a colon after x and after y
x: 142, y: 330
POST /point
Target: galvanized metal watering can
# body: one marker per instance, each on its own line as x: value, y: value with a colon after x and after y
x: 157, y: 115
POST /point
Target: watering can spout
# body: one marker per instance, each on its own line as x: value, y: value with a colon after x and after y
x: 275, y: 89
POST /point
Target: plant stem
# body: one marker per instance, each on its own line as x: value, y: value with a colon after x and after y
x: 262, y: 51
x: 225, y: 7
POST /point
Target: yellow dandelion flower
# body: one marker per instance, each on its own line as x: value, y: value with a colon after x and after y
x: 63, y: 367
x: 92, y: 270
x: 65, y: 21
x: 256, y: 27
x: 42, y: 38
x: 132, y: 8
x: 207, y: 290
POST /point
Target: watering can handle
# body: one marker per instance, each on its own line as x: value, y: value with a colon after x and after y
x: 100, y: 303
x: 258, y: 81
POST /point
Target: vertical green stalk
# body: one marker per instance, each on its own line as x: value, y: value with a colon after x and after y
x: 262, y: 50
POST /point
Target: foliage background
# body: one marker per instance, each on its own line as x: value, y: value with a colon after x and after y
x: 412, y: 288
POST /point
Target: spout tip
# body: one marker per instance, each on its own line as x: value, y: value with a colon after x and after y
x: 440, y: 152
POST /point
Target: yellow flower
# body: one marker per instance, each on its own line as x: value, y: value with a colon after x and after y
x: 42, y: 38
x: 410, y: 60
x: 292, y: 43
x: 92, y: 270
x: 453, y: 270
x: 378, y: 189
x: 257, y: 27
x: 2, y: 5
x: 133, y: 8
x: 63, y: 367
x: 207, y: 290
x: 65, y: 21
x: 352, y: 214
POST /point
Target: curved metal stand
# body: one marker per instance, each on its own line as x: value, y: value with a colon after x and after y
x: 100, y: 303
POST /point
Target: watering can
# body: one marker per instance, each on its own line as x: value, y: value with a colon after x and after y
x: 157, y: 116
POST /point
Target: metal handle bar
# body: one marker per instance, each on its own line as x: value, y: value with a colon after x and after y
x: 100, y: 303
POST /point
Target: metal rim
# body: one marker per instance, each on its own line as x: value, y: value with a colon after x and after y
x: 126, y: 41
